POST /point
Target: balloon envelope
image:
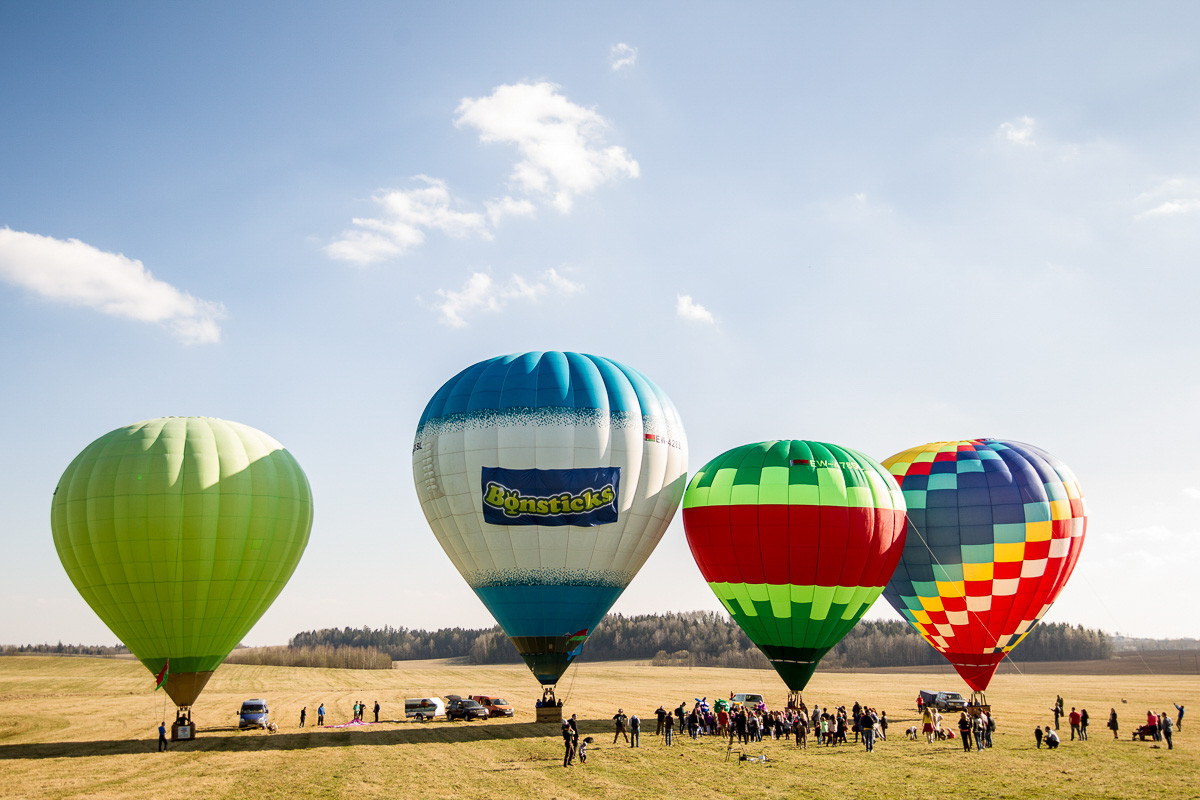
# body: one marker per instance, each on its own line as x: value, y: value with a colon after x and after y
x: 179, y: 533
x: 548, y: 478
x: 797, y: 540
x: 994, y: 530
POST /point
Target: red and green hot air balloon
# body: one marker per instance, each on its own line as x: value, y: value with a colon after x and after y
x: 994, y: 530
x: 797, y: 540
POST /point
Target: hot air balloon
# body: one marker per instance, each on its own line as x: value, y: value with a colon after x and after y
x: 548, y: 478
x: 797, y: 540
x: 179, y: 533
x: 994, y: 530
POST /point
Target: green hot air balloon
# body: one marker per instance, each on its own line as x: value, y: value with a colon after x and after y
x: 797, y: 540
x: 179, y: 533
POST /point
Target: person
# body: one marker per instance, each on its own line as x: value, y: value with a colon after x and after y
x: 867, y: 728
x: 568, y: 743
x: 927, y: 725
x: 303, y: 714
x: 920, y: 704
x: 668, y: 724
x: 162, y: 736
x: 989, y: 729
x: 583, y: 750
x: 321, y: 714
x: 979, y: 729
x: 1074, y: 720
x: 1083, y: 723
x: 661, y: 713
x: 377, y: 711
x: 1051, y: 738
x: 1112, y: 722
x: 964, y: 730
x: 1168, y: 729
x: 1152, y: 722
x: 1057, y: 713
x: 1037, y: 736
x: 1179, y: 720
x: 620, y: 719
x: 635, y: 731
x: 355, y: 707
x: 883, y: 725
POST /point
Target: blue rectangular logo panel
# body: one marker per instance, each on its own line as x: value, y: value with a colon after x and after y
x: 583, y: 497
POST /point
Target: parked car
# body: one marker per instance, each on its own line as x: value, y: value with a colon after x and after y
x: 457, y: 708
x: 254, y: 714
x: 496, y: 706
x: 749, y: 700
x: 424, y: 708
x: 944, y: 701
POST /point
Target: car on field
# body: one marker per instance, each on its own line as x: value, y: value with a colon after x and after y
x: 496, y: 706
x: 944, y: 701
x: 254, y: 714
x: 458, y: 708
x: 748, y: 699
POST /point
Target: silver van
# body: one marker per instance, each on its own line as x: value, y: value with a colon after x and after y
x: 254, y: 714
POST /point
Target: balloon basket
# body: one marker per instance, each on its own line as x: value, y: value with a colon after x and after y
x: 182, y: 731
x: 550, y: 714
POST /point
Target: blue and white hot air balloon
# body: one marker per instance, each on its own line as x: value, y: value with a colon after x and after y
x: 548, y: 478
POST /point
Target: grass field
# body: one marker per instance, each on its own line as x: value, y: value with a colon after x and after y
x: 86, y: 727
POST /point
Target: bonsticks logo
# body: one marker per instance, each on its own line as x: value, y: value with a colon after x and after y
x: 582, y: 497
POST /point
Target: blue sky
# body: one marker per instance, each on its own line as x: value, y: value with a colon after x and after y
x: 875, y: 224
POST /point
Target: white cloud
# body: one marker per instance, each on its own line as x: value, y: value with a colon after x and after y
x: 688, y: 309
x: 406, y: 214
x: 1171, y: 198
x: 508, y: 207
x: 621, y: 56
x: 1019, y: 131
x: 1191, y: 492
x: 481, y: 293
x: 78, y: 274
x: 561, y: 143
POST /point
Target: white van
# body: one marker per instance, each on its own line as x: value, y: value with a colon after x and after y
x: 750, y: 701
x: 424, y: 708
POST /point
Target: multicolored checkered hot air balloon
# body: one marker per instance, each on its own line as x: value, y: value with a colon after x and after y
x: 797, y: 540
x: 548, y: 478
x: 994, y: 530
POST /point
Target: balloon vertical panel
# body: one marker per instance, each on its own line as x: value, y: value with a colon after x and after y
x: 548, y: 417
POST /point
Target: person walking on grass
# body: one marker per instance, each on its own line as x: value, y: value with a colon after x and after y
x: 303, y: 714
x: 1112, y: 722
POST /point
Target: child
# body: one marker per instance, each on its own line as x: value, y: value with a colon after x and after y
x: 583, y: 750
x: 1037, y: 735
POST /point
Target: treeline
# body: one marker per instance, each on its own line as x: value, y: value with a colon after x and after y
x: 61, y: 649
x: 319, y: 656
x: 701, y: 638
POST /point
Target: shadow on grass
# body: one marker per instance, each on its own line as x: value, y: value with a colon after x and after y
x: 225, y: 740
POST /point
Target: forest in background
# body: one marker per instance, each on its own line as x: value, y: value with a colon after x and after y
x: 699, y: 638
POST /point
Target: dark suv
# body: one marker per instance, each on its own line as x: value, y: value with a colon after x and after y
x: 457, y: 708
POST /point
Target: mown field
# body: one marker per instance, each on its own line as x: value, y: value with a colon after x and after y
x: 86, y: 727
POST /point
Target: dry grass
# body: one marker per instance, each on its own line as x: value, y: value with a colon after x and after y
x: 82, y: 727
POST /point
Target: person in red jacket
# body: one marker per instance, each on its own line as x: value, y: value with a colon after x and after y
x: 1075, y: 718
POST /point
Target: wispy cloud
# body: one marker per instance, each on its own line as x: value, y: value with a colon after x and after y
x: 688, y: 309
x: 562, y: 147
x: 1175, y: 197
x: 405, y: 216
x: 72, y: 272
x: 1191, y: 492
x: 622, y: 56
x: 1018, y: 132
x: 481, y: 293
x: 563, y: 154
